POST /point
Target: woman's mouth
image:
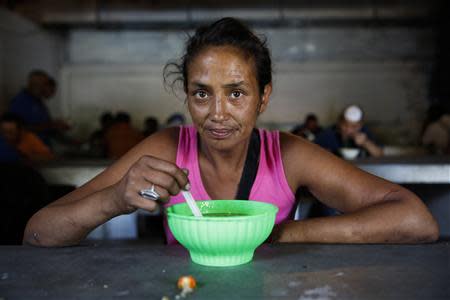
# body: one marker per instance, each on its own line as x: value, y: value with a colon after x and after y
x: 219, y: 133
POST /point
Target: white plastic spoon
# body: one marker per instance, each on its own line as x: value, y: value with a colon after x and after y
x: 191, y: 203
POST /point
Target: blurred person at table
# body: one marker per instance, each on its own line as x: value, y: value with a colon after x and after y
x: 8, y: 153
x: 50, y: 87
x: 28, y: 144
x: 436, y: 134
x: 349, y: 132
x: 97, y: 142
x: 30, y: 105
x: 121, y: 136
x: 175, y: 119
x: 309, y: 129
x: 226, y: 73
x: 151, y: 125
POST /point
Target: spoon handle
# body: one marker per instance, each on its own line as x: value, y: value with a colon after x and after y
x: 191, y: 203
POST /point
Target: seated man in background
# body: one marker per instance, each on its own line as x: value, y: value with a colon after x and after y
x: 30, y: 106
x: 25, y: 142
x: 49, y: 88
x: 151, y: 125
x: 97, y: 145
x: 349, y: 132
x: 121, y: 136
x: 309, y: 129
x: 175, y: 120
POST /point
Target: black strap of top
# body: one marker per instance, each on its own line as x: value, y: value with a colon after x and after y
x: 250, y: 167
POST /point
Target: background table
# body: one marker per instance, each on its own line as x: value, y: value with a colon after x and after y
x: 140, y: 270
x: 428, y: 176
x: 403, y: 170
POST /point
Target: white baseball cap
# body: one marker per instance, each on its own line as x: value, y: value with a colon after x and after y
x: 353, y: 113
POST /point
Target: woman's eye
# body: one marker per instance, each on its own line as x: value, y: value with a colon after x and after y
x: 236, y: 94
x: 200, y: 94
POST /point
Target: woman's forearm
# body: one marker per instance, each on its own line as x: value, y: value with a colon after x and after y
x: 395, y: 221
x: 69, y: 223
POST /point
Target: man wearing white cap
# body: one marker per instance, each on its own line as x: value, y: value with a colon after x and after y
x: 349, y: 133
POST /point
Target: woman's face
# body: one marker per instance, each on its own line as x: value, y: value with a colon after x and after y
x: 223, y: 96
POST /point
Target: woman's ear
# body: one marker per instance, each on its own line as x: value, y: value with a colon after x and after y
x: 265, y: 98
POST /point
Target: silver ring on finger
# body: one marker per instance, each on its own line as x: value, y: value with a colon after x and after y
x: 150, y: 193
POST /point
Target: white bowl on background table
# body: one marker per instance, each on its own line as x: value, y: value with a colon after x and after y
x: 349, y: 153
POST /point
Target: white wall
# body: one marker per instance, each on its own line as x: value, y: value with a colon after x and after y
x: 391, y: 94
x: 316, y: 70
x: 90, y: 90
x: 25, y: 46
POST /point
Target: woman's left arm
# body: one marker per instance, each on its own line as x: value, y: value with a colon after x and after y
x: 373, y: 210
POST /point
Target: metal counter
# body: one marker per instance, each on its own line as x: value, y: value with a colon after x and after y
x: 139, y: 270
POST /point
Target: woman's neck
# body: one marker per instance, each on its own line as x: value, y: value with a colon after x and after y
x: 229, y: 160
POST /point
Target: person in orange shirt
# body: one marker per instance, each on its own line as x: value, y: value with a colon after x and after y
x: 121, y: 136
x: 26, y: 142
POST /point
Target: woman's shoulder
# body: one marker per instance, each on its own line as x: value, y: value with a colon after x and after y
x: 298, y: 150
x: 162, y: 144
x: 284, y: 139
x: 290, y: 142
x: 300, y: 157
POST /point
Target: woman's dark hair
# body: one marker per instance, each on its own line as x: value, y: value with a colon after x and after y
x: 224, y: 32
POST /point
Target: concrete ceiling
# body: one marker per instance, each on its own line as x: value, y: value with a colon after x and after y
x: 188, y: 13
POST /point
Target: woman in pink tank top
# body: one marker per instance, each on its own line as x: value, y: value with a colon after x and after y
x: 227, y: 77
x: 270, y: 184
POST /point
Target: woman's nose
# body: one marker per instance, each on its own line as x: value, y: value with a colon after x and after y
x: 218, y: 108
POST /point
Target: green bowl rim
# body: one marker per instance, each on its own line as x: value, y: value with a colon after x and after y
x: 274, y: 210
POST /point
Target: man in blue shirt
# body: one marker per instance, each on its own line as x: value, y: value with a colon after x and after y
x: 29, y: 105
x: 309, y: 129
x: 349, y: 132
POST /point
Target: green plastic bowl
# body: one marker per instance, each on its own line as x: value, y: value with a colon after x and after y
x: 227, y: 234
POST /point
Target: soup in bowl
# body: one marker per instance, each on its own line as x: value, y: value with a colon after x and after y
x: 227, y: 234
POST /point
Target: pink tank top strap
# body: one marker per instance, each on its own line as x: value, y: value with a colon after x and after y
x: 271, y: 184
x: 187, y: 136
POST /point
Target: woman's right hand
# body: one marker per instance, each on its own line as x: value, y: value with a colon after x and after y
x: 168, y: 180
